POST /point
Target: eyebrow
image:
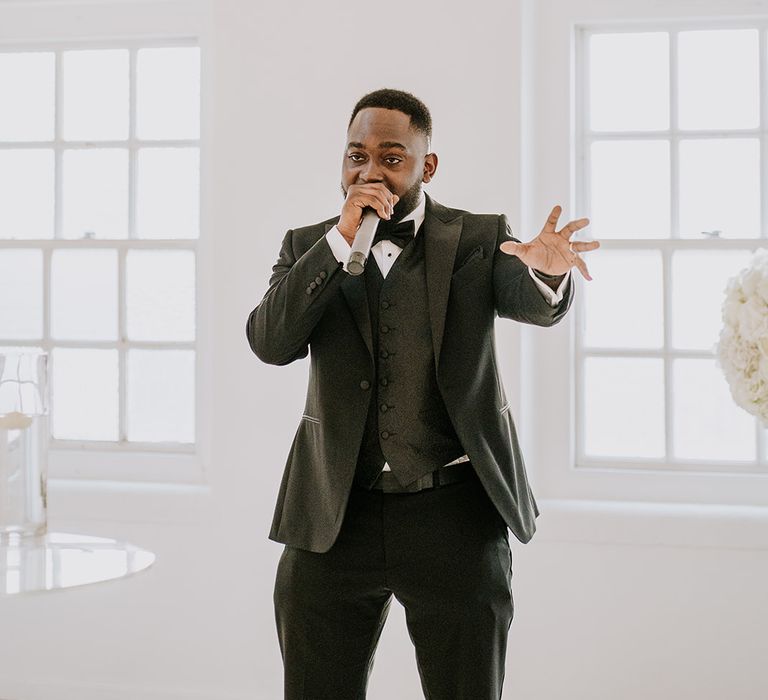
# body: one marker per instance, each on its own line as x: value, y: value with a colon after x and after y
x: 382, y: 145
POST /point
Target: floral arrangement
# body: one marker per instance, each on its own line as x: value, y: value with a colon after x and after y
x: 742, y: 351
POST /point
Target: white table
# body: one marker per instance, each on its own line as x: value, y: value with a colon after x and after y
x: 64, y: 560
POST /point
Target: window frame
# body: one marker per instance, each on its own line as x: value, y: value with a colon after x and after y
x: 150, y: 25
x: 552, y: 380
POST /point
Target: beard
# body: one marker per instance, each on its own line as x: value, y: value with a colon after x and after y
x: 405, y: 205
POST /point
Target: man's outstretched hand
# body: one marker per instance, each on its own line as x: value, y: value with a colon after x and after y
x: 551, y: 252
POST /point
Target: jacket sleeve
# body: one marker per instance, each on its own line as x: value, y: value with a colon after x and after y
x: 279, y: 328
x: 516, y: 295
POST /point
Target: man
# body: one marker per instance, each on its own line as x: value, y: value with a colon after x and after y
x: 405, y: 471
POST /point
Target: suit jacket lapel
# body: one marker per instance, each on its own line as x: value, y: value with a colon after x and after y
x: 442, y: 231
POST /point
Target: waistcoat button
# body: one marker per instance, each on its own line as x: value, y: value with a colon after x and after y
x: 365, y: 384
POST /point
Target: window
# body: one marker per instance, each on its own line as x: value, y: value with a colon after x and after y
x: 99, y: 228
x: 672, y: 144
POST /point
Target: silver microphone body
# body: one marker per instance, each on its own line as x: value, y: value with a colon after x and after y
x: 361, y: 246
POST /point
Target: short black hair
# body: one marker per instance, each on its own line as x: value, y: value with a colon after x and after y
x: 402, y: 101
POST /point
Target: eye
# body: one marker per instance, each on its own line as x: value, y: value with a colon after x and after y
x: 356, y: 157
x: 393, y: 160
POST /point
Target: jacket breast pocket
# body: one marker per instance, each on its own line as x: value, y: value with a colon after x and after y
x: 470, y: 268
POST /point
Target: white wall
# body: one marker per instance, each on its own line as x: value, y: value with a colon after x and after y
x: 610, y: 603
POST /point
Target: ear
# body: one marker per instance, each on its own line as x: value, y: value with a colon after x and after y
x: 430, y: 167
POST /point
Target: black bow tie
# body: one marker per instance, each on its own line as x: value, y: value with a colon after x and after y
x: 400, y: 234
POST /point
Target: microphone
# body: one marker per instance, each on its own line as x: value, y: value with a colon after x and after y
x: 361, y: 246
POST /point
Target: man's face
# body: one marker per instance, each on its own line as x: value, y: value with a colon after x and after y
x: 383, y: 147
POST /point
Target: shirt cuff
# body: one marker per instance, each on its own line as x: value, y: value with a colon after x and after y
x: 554, y: 297
x: 339, y: 246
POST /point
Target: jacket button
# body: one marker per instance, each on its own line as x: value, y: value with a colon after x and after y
x: 384, y: 434
x: 384, y: 408
x: 309, y: 290
x: 318, y: 280
x: 365, y: 385
x: 323, y: 275
x: 313, y: 285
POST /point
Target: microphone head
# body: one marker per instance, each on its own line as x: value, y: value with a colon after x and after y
x: 356, y: 263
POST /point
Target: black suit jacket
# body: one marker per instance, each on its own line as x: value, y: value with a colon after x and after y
x: 313, y: 306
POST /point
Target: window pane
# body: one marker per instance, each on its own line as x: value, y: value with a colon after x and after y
x: 85, y: 394
x: 21, y: 294
x: 718, y: 79
x: 95, y: 185
x: 720, y: 187
x: 160, y: 294
x: 161, y: 396
x: 624, y: 407
x: 629, y: 81
x: 84, y: 295
x: 707, y: 422
x: 168, y: 93
x: 27, y: 95
x: 26, y: 193
x: 95, y: 94
x: 630, y: 189
x: 623, y: 304
x: 168, y: 193
x: 698, y: 290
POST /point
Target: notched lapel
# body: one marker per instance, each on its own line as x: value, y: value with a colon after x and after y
x: 441, y: 241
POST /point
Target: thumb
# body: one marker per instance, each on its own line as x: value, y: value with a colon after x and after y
x: 510, y: 247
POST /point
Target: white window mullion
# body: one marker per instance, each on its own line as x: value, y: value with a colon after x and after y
x: 666, y: 263
x: 57, y: 150
x: 132, y: 148
x: 666, y: 254
x: 583, y: 194
x: 674, y: 144
x: 121, y: 350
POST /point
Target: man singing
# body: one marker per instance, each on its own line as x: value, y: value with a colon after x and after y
x: 405, y: 472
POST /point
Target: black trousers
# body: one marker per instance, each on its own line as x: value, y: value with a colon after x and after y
x: 444, y: 554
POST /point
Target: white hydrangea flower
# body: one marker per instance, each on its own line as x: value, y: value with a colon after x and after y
x: 742, y: 350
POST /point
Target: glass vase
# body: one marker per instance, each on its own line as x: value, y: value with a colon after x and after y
x: 23, y: 443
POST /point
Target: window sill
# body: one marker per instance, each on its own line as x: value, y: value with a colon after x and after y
x: 76, y: 500
x: 126, y: 466
x: 652, y: 524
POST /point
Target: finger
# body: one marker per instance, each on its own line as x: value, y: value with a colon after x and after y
x: 549, y: 227
x: 582, y: 268
x: 583, y: 246
x: 572, y: 226
x: 371, y: 193
x: 378, y: 202
x: 510, y: 247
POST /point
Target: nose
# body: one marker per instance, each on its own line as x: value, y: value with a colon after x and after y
x: 371, y: 172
